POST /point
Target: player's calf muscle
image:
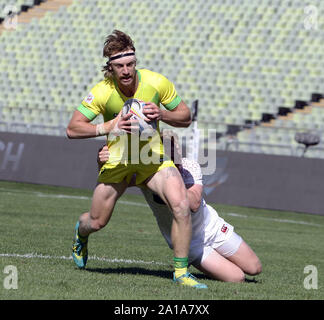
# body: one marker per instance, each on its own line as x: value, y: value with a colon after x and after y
x: 181, y: 209
x: 85, y: 225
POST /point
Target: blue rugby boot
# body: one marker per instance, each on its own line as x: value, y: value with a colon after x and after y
x: 79, y: 248
x: 187, y: 279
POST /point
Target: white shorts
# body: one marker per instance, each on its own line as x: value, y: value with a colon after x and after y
x: 218, y: 235
x: 227, y: 249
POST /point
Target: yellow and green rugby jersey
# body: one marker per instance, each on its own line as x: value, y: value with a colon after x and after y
x: 106, y: 98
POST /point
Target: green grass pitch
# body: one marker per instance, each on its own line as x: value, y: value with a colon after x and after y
x: 130, y: 260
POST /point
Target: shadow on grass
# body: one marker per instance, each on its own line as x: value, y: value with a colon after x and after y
x: 141, y: 271
x: 251, y: 280
x: 132, y: 270
x: 148, y: 272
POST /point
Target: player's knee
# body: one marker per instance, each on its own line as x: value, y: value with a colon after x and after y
x: 255, y: 268
x: 97, y: 225
x: 238, y: 276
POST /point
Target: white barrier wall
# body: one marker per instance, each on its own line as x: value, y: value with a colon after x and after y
x: 244, y: 179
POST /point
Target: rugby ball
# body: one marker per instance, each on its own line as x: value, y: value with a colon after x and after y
x: 135, y: 107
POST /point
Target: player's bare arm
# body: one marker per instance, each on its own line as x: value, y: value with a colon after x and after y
x: 178, y: 117
x: 195, y: 193
x: 80, y: 127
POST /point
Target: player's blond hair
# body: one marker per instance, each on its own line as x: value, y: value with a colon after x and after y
x: 116, y: 42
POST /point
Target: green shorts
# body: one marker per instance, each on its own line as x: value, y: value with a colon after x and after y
x: 110, y: 173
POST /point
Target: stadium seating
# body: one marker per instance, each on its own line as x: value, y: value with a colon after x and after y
x: 241, y: 59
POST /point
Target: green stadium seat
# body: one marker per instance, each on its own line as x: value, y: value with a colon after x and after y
x: 253, y: 55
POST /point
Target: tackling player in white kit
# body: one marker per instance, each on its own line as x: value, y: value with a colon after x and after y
x: 215, y: 249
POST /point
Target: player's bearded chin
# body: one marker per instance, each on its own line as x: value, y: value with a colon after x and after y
x: 126, y: 79
x: 128, y: 76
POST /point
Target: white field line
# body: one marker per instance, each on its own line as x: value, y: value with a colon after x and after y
x: 132, y: 203
x: 115, y: 260
x: 66, y: 196
x: 274, y: 219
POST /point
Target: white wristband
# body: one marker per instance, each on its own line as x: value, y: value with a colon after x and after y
x: 100, y: 129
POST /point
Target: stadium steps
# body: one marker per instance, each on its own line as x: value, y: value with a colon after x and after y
x: 317, y: 100
x: 270, y: 119
x: 286, y: 118
x: 17, y: 9
x: 320, y: 103
x: 37, y: 10
x: 40, y: 11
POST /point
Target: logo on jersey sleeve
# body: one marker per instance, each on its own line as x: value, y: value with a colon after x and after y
x: 89, y: 98
x: 224, y: 228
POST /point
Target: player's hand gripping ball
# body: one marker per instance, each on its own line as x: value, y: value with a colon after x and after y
x: 135, y: 107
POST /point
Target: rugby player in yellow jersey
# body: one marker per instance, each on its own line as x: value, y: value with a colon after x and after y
x: 122, y: 82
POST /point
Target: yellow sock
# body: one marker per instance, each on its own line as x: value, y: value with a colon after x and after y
x: 180, y: 266
x: 179, y: 272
